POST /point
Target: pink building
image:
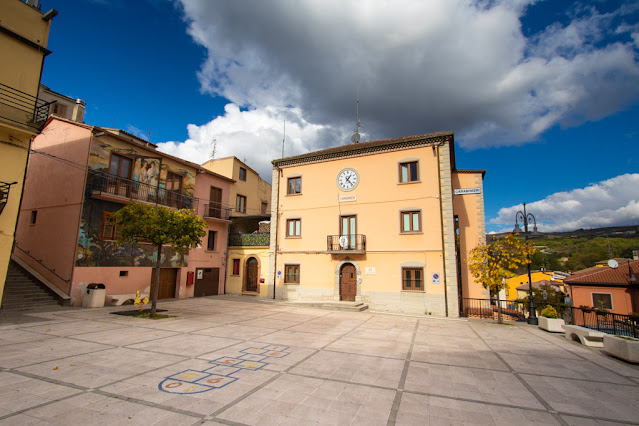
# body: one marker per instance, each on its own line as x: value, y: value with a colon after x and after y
x: 615, y: 289
x: 78, y: 176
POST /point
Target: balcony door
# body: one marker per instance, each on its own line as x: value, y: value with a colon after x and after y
x: 215, y: 202
x: 348, y: 229
x: 173, y: 189
x: 120, y: 169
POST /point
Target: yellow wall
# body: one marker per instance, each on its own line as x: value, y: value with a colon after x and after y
x: 235, y: 283
x: 21, y: 72
x: 469, y: 208
x: 516, y: 281
x: 379, y: 200
x: 254, y: 188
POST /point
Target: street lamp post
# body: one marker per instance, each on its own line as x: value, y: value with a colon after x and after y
x: 526, y: 219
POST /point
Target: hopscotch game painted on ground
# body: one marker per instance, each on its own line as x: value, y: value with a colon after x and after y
x: 221, y: 374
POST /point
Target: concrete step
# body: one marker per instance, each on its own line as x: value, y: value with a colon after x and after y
x: 22, y: 291
x: 334, y: 306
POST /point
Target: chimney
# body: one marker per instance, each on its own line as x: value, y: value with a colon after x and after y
x: 78, y: 111
x: 635, y: 254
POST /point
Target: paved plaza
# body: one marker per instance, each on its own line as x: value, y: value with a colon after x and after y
x: 228, y: 360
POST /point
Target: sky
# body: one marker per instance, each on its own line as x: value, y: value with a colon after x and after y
x: 543, y: 95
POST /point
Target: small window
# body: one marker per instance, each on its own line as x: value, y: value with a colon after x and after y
x: 242, y: 173
x: 210, y: 245
x: 34, y: 217
x: 236, y: 266
x: 294, y: 227
x: 109, y: 230
x: 59, y: 109
x: 411, y: 221
x: 413, y: 279
x: 124, y: 273
x: 602, y: 300
x: 295, y: 185
x: 264, y: 209
x: 292, y: 274
x: 240, y: 204
x: 409, y: 172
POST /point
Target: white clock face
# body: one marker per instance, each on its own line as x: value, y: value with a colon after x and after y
x: 347, y: 179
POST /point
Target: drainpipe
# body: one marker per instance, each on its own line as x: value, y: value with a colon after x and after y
x: 226, y: 257
x: 441, y: 216
x: 277, y: 230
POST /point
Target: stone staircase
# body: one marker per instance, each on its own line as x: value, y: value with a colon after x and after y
x: 334, y: 306
x: 23, y: 291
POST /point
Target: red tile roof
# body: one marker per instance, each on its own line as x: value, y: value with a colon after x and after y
x: 354, y: 147
x: 607, y: 275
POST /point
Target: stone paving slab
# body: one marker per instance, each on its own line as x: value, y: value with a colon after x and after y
x: 239, y: 360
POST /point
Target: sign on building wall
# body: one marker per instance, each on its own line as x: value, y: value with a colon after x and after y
x: 435, y: 278
x: 462, y: 191
x: 347, y: 198
x: 370, y: 270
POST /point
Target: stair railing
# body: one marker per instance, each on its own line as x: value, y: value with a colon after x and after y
x: 39, y: 261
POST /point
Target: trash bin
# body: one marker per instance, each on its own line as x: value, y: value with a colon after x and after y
x: 94, y: 296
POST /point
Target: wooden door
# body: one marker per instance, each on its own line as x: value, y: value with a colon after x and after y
x: 215, y: 202
x: 173, y: 189
x: 348, y: 229
x: 348, y: 282
x: 168, y: 278
x: 209, y: 284
x: 252, y: 274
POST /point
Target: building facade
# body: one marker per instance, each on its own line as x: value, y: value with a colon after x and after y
x: 248, y: 245
x: 387, y: 222
x: 24, y: 34
x: 61, y: 105
x: 78, y: 176
x: 250, y: 194
x: 613, y: 288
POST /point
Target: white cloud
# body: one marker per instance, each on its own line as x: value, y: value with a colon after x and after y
x: 420, y: 66
x: 253, y: 136
x: 613, y: 202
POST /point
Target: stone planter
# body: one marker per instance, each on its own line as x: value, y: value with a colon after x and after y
x: 551, y: 324
x: 625, y: 348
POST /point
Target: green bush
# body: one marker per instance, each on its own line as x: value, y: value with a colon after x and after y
x: 549, y: 312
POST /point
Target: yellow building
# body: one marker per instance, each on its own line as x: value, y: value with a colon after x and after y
x: 248, y: 249
x: 249, y: 193
x: 518, y: 280
x: 23, y: 46
x: 376, y: 222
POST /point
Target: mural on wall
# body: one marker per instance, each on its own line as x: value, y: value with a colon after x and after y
x: 148, y: 170
x: 95, y: 251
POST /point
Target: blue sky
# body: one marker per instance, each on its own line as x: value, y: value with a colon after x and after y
x: 544, y: 95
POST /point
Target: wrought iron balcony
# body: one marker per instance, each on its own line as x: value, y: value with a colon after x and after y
x: 216, y: 211
x: 345, y: 244
x: 113, y: 187
x: 22, y: 108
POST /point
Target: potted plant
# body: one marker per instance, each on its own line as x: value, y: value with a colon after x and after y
x: 550, y: 321
x: 626, y: 348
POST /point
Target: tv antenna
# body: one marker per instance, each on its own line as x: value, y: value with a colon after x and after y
x: 355, y: 137
x: 283, y: 138
x: 213, y: 150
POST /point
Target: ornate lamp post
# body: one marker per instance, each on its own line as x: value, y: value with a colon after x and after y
x: 526, y: 219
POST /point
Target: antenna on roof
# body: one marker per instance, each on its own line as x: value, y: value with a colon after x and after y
x: 283, y: 138
x: 355, y: 137
x: 213, y: 150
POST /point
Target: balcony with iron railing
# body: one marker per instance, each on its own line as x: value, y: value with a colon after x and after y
x: 22, y: 108
x: 216, y: 211
x: 346, y: 244
x: 115, y: 188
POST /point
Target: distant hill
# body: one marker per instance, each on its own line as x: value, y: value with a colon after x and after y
x: 582, y: 248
